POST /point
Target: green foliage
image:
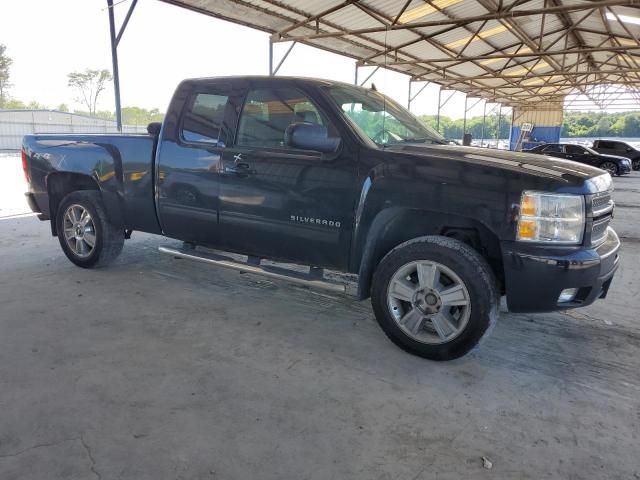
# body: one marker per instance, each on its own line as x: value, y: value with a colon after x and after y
x: 33, y: 105
x: 450, y: 128
x: 63, y: 107
x: 601, y: 124
x: 140, y: 116
x: 576, y: 124
x: 13, y: 104
x: 5, y: 64
x: 89, y: 84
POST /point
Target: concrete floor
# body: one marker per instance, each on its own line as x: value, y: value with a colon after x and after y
x: 158, y: 368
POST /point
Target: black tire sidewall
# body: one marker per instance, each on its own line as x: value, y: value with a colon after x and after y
x: 87, y: 200
x: 477, y: 278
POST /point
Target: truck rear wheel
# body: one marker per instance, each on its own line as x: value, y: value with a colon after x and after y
x: 435, y: 297
x: 86, y: 236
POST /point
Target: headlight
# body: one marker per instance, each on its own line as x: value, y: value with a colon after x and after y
x: 551, y: 218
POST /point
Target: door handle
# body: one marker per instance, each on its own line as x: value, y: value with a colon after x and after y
x: 239, y: 168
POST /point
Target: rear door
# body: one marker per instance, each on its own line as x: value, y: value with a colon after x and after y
x: 281, y: 202
x: 190, y: 161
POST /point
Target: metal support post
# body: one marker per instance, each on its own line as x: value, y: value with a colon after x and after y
x: 413, y: 97
x: 355, y: 80
x: 115, y: 41
x: 369, y: 76
x: 464, y: 120
x: 114, y: 61
x: 499, y: 125
x: 272, y: 71
x: 438, y: 114
x: 484, y: 118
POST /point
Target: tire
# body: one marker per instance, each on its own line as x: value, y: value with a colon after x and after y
x: 635, y: 164
x: 107, y: 239
x: 456, y: 264
x: 610, y: 167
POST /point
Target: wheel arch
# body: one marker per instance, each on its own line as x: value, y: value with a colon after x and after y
x: 61, y: 184
x: 395, y: 226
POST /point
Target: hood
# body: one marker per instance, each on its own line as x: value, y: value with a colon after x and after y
x: 564, y: 171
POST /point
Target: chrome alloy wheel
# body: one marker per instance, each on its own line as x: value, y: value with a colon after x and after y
x: 609, y: 167
x: 79, y: 230
x: 429, y: 302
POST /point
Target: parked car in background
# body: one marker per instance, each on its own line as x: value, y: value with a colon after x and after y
x: 618, y: 148
x: 613, y: 164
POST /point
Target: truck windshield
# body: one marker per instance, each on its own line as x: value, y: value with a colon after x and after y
x: 380, y: 118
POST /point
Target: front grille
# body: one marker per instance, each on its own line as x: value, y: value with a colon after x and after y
x: 601, y: 212
x: 601, y: 203
x: 599, y: 229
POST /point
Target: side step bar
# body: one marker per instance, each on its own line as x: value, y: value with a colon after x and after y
x: 312, y: 279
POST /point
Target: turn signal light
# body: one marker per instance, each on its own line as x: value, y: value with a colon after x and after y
x: 527, y: 230
x: 528, y: 206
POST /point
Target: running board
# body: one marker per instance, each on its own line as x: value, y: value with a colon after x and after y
x: 312, y: 279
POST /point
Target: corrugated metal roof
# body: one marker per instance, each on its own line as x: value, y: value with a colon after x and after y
x: 511, y: 51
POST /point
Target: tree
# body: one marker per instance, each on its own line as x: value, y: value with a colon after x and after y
x: 5, y: 63
x: 63, y: 107
x: 34, y: 105
x: 13, y: 104
x: 140, y: 116
x: 89, y: 84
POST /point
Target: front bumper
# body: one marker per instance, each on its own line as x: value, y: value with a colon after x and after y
x: 536, y: 275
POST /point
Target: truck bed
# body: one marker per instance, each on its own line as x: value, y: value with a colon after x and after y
x: 121, y: 166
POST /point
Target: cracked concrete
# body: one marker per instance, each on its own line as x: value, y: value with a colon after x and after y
x: 162, y: 369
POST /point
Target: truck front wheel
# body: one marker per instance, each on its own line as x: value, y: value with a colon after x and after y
x: 435, y: 297
x: 86, y: 236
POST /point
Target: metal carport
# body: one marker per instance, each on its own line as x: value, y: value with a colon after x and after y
x: 519, y: 53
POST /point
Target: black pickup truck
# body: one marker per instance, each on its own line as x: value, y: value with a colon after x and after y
x: 326, y: 175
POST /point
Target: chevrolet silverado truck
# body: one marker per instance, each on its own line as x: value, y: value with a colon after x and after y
x: 320, y: 175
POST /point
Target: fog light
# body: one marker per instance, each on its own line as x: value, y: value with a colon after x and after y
x: 567, y: 295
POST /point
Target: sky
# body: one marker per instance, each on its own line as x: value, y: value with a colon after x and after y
x: 163, y: 44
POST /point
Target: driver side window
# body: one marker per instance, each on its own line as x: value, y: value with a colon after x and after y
x: 268, y: 112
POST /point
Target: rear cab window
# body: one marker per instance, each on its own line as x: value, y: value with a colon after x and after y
x: 204, y: 120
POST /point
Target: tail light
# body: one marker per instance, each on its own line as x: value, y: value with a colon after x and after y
x: 25, y: 166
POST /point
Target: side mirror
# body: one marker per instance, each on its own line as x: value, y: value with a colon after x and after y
x: 310, y: 136
x: 153, y: 128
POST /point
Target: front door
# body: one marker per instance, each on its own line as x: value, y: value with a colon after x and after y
x: 280, y: 202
